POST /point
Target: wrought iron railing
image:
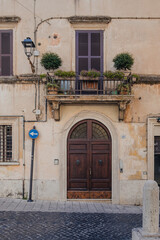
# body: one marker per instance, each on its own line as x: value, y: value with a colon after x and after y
x: 81, y: 86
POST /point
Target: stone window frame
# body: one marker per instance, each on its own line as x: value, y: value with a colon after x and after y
x: 17, y: 138
x: 88, y: 26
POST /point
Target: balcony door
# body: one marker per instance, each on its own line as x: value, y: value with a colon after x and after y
x: 6, y: 52
x: 89, y: 50
x: 89, y: 55
x: 89, y: 161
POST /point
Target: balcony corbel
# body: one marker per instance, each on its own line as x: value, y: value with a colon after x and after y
x: 122, y: 107
x: 57, y: 100
x: 56, y: 110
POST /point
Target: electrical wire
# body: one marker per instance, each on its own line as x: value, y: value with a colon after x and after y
x: 28, y: 9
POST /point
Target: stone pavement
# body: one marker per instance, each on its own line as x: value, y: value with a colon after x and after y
x: 68, y: 220
x: 8, y: 204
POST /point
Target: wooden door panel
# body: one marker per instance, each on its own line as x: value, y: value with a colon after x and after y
x: 100, y: 185
x: 78, y: 147
x: 89, y: 163
x: 78, y: 185
x: 101, y: 147
x: 100, y: 166
x: 78, y: 166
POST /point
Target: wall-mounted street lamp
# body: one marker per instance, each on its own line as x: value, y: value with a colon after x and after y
x: 29, y: 47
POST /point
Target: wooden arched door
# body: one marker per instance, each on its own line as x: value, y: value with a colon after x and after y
x: 89, y: 161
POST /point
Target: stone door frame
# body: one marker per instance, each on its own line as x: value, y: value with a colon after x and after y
x: 115, y: 152
x: 153, y: 129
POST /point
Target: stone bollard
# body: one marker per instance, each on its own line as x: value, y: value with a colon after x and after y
x: 150, y: 207
x: 150, y: 228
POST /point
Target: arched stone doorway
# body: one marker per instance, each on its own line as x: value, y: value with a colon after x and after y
x: 89, y: 161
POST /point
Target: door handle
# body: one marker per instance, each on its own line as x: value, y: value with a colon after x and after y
x: 77, y: 162
x: 100, y: 162
x: 90, y: 171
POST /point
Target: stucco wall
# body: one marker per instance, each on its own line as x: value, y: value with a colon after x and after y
x: 146, y: 102
x: 50, y: 181
x: 134, y: 27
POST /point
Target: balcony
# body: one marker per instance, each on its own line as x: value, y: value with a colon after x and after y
x: 88, y: 91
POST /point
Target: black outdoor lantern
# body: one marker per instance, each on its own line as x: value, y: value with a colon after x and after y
x: 28, y: 47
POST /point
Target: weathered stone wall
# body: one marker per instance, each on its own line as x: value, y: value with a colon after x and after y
x: 133, y: 27
x: 50, y: 180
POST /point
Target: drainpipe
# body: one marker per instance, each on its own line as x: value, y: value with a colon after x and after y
x: 39, y: 121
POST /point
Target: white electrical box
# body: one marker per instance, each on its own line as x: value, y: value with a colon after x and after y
x: 38, y: 111
x: 36, y: 53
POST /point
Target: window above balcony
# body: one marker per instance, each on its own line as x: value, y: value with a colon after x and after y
x: 6, y: 52
x: 89, y: 50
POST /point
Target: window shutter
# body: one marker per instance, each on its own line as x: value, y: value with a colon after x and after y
x: 89, y: 50
x: 96, y: 51
x: 6, y: 52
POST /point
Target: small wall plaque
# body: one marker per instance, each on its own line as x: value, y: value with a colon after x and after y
x: 56, y: 161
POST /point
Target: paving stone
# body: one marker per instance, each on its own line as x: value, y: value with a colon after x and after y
x: 91, y: 208
x: 37, y: 206
x: 45, y: 206
x: 29, y: 206
x: 67, y: 226
x: 61, y: 206
x: 53, y: 206
x: 99, y: 207
x: 69, y: 206
x: 5, y: 205
x: 12, y: 206
x: 84, y: 207
x: 76, y: 207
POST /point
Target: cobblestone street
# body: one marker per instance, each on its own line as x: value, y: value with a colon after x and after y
x: 67, y: 220
x: 67, y: 226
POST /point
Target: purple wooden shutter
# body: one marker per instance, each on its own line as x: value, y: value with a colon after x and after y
x: 6, y: 52
x: 89, y: 50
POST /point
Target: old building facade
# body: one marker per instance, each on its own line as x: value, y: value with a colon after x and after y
x: 90, y: 145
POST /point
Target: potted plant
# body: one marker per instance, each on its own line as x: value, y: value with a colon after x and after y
x: 90, y: 79
x: 123, y: 89
x: 51, y: 61
x: 59, y: 74
x: 90, y: 75
x: 66, y: 78
x: 52, y: 88
x: 118, y: 75
x: 135, y: 77
x: 43, y: 77
x: 112, y: 80
x: 94, y: 74
x: 123, y: 61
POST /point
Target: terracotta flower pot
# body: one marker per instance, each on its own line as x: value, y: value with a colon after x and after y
x: 52, y: 90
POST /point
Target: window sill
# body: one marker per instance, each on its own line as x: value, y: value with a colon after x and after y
x: 9, y: 163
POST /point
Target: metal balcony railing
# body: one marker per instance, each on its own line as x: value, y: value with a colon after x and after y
x: 82, y: 86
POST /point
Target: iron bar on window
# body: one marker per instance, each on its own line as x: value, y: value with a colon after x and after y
x: 5, y: 143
